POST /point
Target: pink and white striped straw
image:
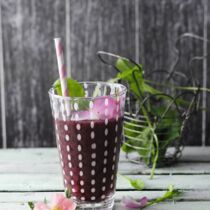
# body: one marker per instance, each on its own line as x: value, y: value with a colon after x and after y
x: 61, y: 66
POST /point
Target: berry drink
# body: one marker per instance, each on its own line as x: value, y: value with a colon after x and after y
x: 89, y: 136
x: 89, y: 154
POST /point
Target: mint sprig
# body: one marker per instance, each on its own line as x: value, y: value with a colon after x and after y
x: 171, y: 193
x: 75, y: 89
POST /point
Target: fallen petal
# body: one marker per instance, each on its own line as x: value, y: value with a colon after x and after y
x: 41, y: 206
x: 130, y: 202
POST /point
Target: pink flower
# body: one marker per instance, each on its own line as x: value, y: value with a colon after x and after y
x: 59, y: 202
x: 101, y: 108
x: 131, y: 203
x: 105, y: 107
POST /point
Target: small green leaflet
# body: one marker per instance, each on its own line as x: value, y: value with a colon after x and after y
x: 31, y: 205
x: 68, y: 192
x: 137, y: 184
x: 133, y: 74
x: 75, y: 89
x: 171, y: 193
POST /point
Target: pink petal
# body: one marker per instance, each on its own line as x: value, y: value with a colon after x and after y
x: 57, y: 199
x: 41, y: 206
x: 144, y: 201
x: 131, y: 203
x: 68, y: 204
x: 99, y: 107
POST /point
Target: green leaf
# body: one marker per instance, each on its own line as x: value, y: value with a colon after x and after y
x: 133, y: 74
x: 123, y: 64
x: 137, y: 184
x: 68, y: 193
x: 171, y: 193
x: 31, y: 205
x: 75, y: 89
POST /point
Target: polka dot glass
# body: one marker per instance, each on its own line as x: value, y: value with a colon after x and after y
x: 89, y: 135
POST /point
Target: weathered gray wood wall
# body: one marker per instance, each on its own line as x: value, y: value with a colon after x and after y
x: 145, y: 30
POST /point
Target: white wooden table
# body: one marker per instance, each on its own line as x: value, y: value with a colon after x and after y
x: 34, y: 174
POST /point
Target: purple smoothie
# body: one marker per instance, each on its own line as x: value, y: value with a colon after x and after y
x: 89, y: 153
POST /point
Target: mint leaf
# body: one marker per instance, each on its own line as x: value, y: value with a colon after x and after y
x: 31, y: 205
x: 171, y: 193
x: 75, y: 89
x: 133, y: 74
x: 137, y: 184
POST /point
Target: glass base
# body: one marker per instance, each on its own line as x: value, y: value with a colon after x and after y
x: 107, y: 204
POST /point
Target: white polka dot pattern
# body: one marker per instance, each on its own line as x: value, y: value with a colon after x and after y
x: 93, y: 190
x: 93, y: 163
x: 66, y: 127
x: 93, y: 146
x: 79, y: 157
x: 93, y: 198
x: 78, y: 126
x: 106, y: 121
x: 69, y: 157
x: 92, y: 124
x: 79, y: 148
x: 93, y: 172
x: 92, y: 134
x: 79, y: 137
x: 80, y: 164
x: 106, y: 102
x: 106, y: 131
x: 93, y: 155
x: 67, y: 137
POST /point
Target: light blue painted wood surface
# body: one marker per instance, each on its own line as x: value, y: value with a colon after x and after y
x: 33, y: 174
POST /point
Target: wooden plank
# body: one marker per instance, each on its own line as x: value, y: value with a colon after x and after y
x: 174, y: 206
x: 46, y: 155
x: 30, y: 68
x: 124, y: 168
x: 189, y: 154
x: 46, y: 182
x: 100, y: 25
x: 46, y: 161
x: 163, y: 206
x: 18, y: 197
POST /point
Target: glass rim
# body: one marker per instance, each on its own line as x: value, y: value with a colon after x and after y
x: 121, y: 92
